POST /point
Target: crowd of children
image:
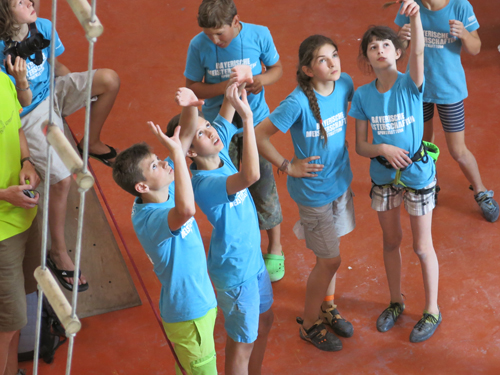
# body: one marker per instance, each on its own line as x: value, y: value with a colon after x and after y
x: 228, y: 66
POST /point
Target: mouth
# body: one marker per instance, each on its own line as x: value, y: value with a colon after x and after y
x: 381, y: 59
x: 216, y: 141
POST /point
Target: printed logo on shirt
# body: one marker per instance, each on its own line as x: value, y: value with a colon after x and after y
x: 392, y: 124
x: 332, y: 125
x: 434, y: 39
x: 35, y: 71
x: 239, y: 199
x: 3, y: 125
x: 223, y: 69
x: 187, y: 228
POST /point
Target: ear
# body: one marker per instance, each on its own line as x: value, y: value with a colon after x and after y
x: 141, y: 187
x: 398, y: 54
x: 308, y: 71
x: 236, y: 21
x: 191, y: 153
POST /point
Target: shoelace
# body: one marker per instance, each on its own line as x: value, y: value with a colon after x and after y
x: 427, y: 318
x: 485, y: 197
x: 392, y: 311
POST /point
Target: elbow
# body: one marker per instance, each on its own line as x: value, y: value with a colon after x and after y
x: 188, y: 211
x: 252, y: 177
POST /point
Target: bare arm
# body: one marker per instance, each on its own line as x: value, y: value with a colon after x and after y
x: 184, y: 207
x: 250, y: 170
x: 416, y: 60
x: 60, y: 69
x: 297, y: 168
x: 189, y: 116
x: 394, y: 155
x: 19, y: 72
x: 470, y: 40
x: 28, y: 171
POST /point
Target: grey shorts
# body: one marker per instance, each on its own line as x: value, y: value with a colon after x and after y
x: 416, y: 204
x: 19, y: 257
x: 70, y: 96
x: 323, y: 226
x: 264, y: 192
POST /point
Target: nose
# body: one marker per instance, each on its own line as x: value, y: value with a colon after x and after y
x: 215, y: 39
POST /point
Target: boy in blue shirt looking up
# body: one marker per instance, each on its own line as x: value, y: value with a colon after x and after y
x: 162, y: 216
x: 235, y: 263
x: 224, y: 43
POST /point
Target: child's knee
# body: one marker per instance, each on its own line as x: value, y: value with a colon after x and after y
x: 108, y: 79
x: 266, y: 320
x: 61, y: 186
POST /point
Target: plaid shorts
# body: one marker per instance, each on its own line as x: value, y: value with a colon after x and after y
x: 387, y: 197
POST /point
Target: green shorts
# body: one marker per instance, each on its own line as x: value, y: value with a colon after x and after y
x: 193, y: 342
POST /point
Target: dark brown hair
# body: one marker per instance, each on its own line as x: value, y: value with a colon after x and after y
x: 8, y: 25
x: 307, y: 51
x: 213, y: 14
x: 126, y: 169
x: 377, y: 33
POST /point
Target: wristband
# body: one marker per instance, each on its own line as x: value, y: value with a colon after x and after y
x: 20, y: 89
x: 27, y: 159
x: 284, y: 166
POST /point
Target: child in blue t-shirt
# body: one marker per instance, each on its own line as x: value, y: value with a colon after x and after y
x: 450, y: 26
x: 224, y: 43
x: 32, y: 84
x: 319, y: 177
x: 162, y: 216
x: 401, y: 170
x: 235, y: 263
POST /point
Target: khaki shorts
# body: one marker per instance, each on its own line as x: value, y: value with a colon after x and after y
x: 323, y: 226
x: 70, y: 96
x: 389, y: 197
x: 19, y: 257
x: 194, y: 344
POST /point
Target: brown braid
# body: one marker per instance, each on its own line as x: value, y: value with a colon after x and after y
x: 307, y: 52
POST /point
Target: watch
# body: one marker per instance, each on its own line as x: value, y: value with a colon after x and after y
x: 27, y: 159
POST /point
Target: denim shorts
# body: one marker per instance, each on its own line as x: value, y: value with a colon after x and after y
x: 243, y: 305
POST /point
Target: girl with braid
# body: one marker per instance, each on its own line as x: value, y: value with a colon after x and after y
x: 319, y: 177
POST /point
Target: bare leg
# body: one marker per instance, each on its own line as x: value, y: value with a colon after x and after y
x: 465, y: 159
x: 423, y: 247
x: 6, y: 340
x: 259, y: 349
x: 57, y: 221
x: 317, y: 285
x: 274, y: 235
x: 329, y: 292
x: 105, y: 86
x: 237, y: 357
x: 392, y: 235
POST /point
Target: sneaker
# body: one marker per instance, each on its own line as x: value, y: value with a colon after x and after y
x: 388, y: 318
x: 425, y: 327
x: 319, y: 336
x: 339, y: 325
x: 488, y: 205
x: 275, y: 265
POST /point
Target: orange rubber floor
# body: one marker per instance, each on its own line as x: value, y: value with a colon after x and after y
x: 146, y: 43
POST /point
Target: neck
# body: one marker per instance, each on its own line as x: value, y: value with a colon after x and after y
x: 435, y: 4
x: 386, y: 79
x: 22, y: 33
x: 208, y: 163
x: 324, y: 88
x: 159, y: 196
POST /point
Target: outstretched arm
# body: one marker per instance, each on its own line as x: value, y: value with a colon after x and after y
x: 416, y: 60
x: 297, y: 168
x: 189, y: 102
x: 250, y: 171
x: 396, y: 156
x: 184, y: 197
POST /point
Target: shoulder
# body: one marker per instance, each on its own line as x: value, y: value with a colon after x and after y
x: 199, y: 41
x: 43, y: 24
x: 346, y: 79
x: 256, y: 32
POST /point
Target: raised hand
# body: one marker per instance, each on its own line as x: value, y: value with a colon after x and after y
x: 18, y: 70
x: 303, y: 167
x: 410, y: 8
x: 187, y: 98
x: 240, y: 105
x: 405, y: 32
x: 173, y: 143
x: 457, y: 29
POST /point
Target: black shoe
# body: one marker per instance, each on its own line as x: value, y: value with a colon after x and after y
x: 425, y: 327
x: 319, y: 336
x: 488, y: 205
x: 388, y: 318
x: 339, y: 325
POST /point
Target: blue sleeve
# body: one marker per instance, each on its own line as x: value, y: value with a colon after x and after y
x: 356, y: 110
x: 467, y: 17
x: 153, y: 224
x: 194, y: 68
x: 211, y: 191
x: 411, y: 86
x: 286, y: 114
x: 350, y: 88
x: 225, y: 129
x: 45, y: 28
x: 401, y: 19
x: 269, y: 54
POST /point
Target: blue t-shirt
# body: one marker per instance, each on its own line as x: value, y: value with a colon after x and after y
x: 396, y: 119
x: 444, y: 74
x: 211, y: 64
x: 38, y: 75
x: 294, y: 113
x: 178, y: 258
x: 234, y: 256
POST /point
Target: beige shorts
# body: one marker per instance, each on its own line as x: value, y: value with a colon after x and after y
x: 416, y: 204
x: 323, y: 226
x: 19, y: 257
x: 70, y: 96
